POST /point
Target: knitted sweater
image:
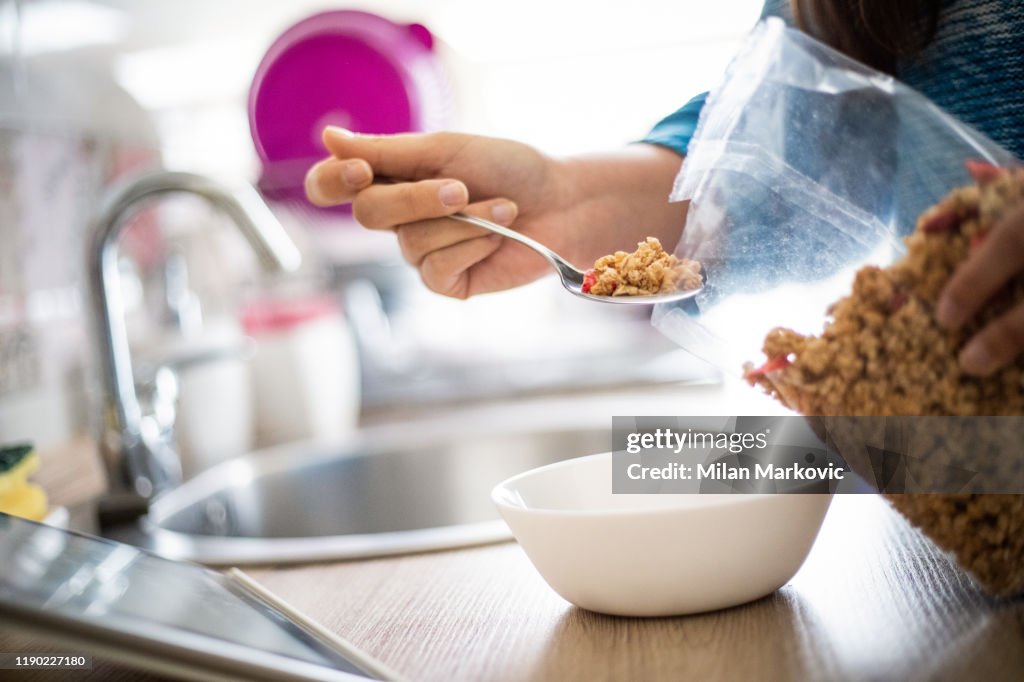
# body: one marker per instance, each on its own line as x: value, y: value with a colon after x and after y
x: 974, y: 69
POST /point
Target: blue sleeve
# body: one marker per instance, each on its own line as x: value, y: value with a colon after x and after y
x: 675, y: 130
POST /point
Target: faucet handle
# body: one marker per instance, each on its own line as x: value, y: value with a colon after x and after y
x: 158, y: 404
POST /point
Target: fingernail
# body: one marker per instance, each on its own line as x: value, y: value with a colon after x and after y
x: 339, y: 131
x: 355, y: 173
x: 312, y: 183
x: 452, y: 194
x: 503, y: 213
x: 977, y: 359
x: 949, y: 314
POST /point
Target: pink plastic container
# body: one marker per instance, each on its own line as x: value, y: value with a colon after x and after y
x: 347, y: 68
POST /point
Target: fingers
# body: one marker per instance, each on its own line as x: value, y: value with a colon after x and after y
x: 421, y: 238
x: 448, y: 271
x: 995, y: 346
x: 337, y: 181
x: 406, y: 157
x: 356, y: 159
x: 997, y: 259
x: 385, y: 206
x: 983, y: 172
x: 445, y: 251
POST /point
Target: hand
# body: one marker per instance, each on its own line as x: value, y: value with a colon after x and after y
x: 580, y: 208
x: 989, y: 268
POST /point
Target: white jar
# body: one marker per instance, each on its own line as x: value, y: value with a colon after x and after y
x: 214, y: 417
x: 305, y: 371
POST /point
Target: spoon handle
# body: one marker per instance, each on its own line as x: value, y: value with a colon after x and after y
x: 564, y: 268
x: 571, y: 276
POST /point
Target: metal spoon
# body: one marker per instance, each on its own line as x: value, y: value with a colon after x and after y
x: 572, y: 277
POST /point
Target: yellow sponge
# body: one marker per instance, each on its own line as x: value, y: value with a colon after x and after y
x: 18, y: 497
x: 29, y: 502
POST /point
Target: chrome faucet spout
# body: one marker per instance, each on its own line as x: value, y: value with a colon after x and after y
x: 138, y: 469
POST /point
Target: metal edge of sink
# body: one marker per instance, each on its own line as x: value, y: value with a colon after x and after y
x: 242, y: 471
x: 218, y: 551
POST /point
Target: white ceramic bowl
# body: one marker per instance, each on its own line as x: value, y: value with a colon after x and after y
x: 654, y: 555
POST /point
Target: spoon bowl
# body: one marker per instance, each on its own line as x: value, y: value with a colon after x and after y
x: 570, y: 275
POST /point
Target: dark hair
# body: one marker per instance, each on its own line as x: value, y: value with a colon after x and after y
x: 876, y: 32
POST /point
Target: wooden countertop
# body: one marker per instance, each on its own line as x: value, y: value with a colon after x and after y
x: 874, y: 601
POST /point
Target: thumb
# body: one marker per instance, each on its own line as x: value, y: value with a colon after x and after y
x: 402, y: 157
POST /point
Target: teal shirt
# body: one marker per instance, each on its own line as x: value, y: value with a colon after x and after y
x: 974, y: 69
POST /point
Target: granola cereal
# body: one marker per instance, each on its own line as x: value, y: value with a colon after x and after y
x: 648, y: 270
x: 882, y: 353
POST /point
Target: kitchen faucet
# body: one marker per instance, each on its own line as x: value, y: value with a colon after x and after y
x: 140, y: 461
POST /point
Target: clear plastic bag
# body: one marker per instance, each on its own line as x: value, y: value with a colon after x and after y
x: 805, y: 166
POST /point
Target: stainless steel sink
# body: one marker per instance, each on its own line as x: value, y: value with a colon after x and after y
x: 393, y: 490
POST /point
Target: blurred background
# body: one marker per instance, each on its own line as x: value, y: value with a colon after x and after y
x: 92, y: 92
